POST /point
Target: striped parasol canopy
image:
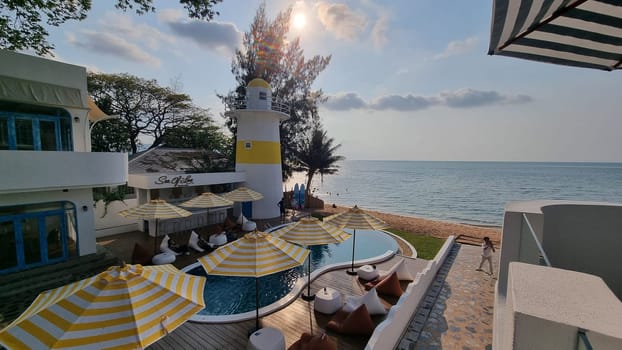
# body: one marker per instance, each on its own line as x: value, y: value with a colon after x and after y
x: 310, y: 231
x: 355, y: 218
x: 256, y: 254
x: 581, y: 33
x: 207, y: 200
x: 243, y: 194
x: 155, y: 209
x: 128, y: 307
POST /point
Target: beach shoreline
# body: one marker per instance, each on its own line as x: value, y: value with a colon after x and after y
x: 422, y: 226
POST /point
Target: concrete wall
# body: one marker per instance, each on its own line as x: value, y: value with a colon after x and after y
x: 586, y: 238
x: 546, y: 307
x: 389, y: 332
x: 112, y: 223
x: 79, y: 197
x: 36, y: 171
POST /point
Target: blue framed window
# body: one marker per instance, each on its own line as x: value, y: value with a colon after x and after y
x: 36, y: 235
x: 35, y: 132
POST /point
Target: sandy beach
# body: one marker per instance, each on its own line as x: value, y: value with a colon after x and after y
x: 422, y: 226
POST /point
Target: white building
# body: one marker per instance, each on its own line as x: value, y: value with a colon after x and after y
x: 47, y: 171
x: 168, y: 174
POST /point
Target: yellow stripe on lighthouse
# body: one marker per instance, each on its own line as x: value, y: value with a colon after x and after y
x: 258, y: 152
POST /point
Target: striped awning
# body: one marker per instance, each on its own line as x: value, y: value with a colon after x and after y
x: 155, y: 209
x: 311, y: 231
x: 243, y: 194
x: 207, y: 200
x: 582, y: 33
x: 256, y: 254
x: 127, y: 307
x: 355, y: 218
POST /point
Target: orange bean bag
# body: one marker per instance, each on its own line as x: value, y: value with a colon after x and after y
x: 390, y: 286
x: 140, y: 255
x: 357, y: 322
x: 313, y: 342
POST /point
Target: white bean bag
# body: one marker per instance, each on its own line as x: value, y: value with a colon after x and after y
x: 402, y: 272
x: 371, y: 301
x: 164, y: 246
x: 249, y: 226
x: 193, y: 242
x: 218, y: 239
x: 241, y: 219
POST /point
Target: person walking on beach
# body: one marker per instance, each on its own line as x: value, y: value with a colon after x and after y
x: 487, y: 250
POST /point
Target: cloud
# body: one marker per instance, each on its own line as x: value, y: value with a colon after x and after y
x: 403, y: 103
x: 465, y: 98
x: 340, y: 20
x: 221, y: 37
x: 110, y: 44
x: 462, y: 98
x: 344, y: 102
x: 379, y: 32
x: 124, y: 26
x: 458, y: 47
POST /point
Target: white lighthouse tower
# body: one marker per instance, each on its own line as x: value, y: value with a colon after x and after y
x: 258, y: 147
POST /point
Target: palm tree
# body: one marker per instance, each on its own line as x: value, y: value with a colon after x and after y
x: 316, y: 155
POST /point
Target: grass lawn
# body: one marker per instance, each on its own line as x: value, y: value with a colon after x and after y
x: 426, y: 246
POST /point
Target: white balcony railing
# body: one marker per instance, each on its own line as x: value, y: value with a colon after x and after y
x: 24, y: 171
x: 233, y: 104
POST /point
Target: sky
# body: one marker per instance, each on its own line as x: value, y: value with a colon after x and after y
x: 408, y: 80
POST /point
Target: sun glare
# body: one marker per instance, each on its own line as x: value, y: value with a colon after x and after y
x: 299, y: 21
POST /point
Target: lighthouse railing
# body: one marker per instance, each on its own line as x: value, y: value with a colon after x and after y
x: 232, y: 104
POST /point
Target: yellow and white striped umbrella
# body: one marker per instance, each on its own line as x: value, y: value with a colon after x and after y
x: 243, y: 194
x: 207, y: 200
x: 155, y: 209
x: 355, y: 218
x: 311, y: 231
x: 256, y: 254
x: 127, y: 307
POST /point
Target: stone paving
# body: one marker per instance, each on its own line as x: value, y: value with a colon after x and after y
x: 457, y: 312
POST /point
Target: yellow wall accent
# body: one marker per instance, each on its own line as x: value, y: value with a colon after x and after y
x: 261, y: 152
x: 258, y: 82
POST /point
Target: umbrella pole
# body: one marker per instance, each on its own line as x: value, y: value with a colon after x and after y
x: 352, y: 272
x: 257, y: 303
x: 155, y: 238
x: 308, y: 297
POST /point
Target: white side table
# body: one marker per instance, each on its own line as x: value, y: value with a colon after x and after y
x: 267, y: 338
x: 367, y: 272
x: 327, y: 300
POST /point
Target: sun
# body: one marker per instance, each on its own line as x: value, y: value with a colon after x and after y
x: 299, y: 21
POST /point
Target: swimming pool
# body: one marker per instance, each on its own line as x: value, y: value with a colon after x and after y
x: 236, y: 295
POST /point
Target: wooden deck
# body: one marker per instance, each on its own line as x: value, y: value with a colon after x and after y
x: 293, y: 320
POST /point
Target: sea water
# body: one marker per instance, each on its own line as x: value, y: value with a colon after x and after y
x: 464, y: 192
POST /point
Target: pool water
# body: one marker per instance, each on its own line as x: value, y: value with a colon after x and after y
x: 233, y: 295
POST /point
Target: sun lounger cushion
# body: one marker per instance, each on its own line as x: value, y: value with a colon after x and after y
x: 371, y: 301
x: 313, y: 342
x: 390, y: 286
x: 357, y: 322
x: 140, y: 255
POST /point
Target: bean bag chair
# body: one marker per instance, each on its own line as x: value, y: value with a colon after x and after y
x: 357, y: 322
x: 402, y: 274
x: 140, y: 255
x: 371, y: 301
x: 390, y: 286
x: 313, y: 342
